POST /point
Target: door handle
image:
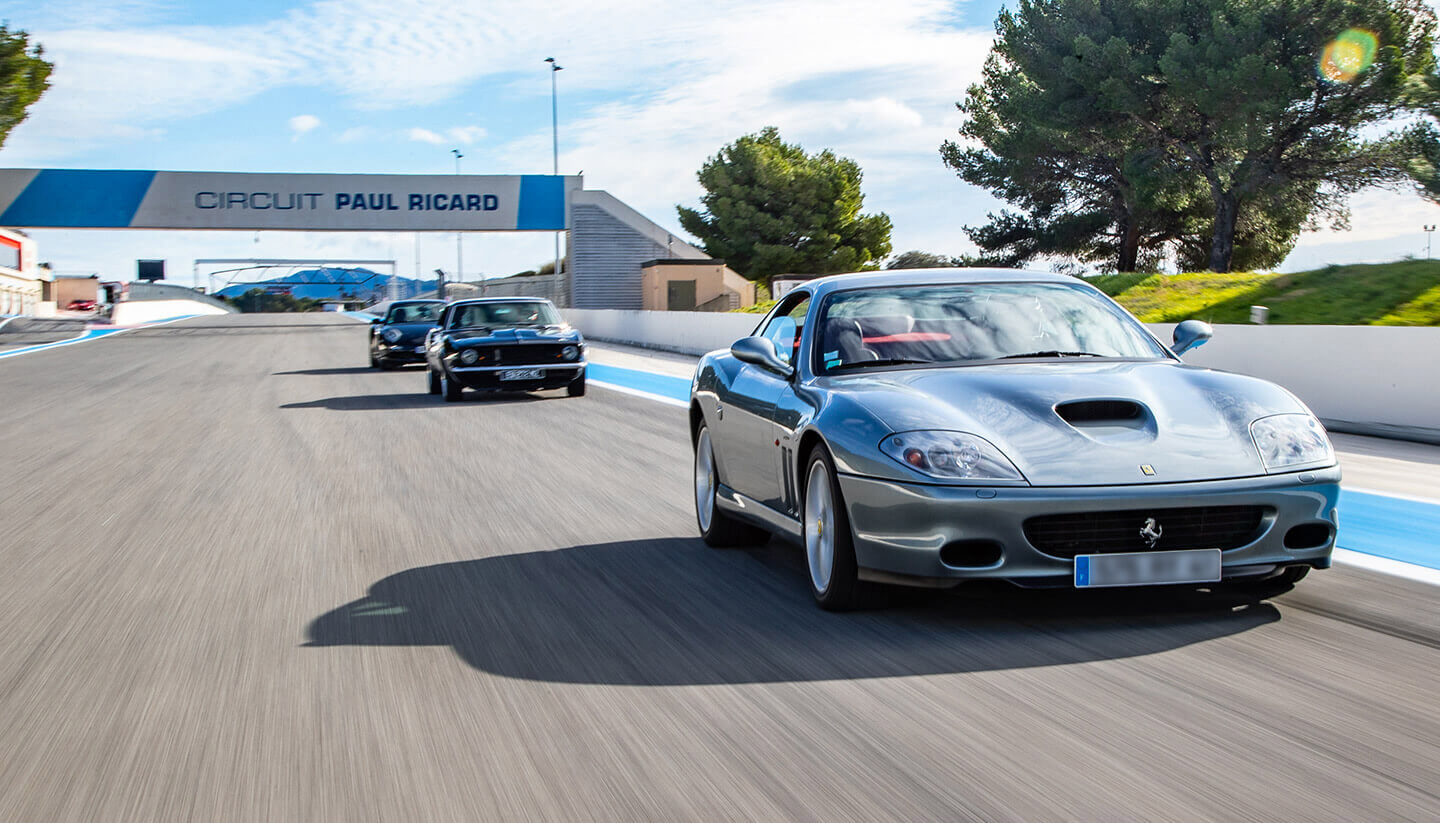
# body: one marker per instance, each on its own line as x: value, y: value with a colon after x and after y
x: 719, y: 412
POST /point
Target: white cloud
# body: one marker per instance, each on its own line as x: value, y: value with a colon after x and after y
x: 302, y: 124
x: 426, y: 136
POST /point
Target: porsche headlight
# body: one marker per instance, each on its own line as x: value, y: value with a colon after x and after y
x: 950, y: 455
x: 392, y: 335
x: 469, y: 356
x: 1289, y: 440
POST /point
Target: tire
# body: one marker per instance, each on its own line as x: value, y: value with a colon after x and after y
x: 433, y: 379
x: 374, y: 362
x: 717, y: 529
x: 386, y: 365
x: 829, y: 543
x: 576, y: 387
x: 449, y: 388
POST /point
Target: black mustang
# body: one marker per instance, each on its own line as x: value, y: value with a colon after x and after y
x: 504, y: 344
x: 399, y: 337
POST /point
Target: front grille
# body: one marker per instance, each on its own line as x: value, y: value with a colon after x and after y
x: 1208, y: 527
x: 530, y: 354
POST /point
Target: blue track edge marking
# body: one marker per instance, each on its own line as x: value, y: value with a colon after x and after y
x: 92, y: 334
x: 1391, y: 527
x: 1374, y: 524
x: 663, y: 385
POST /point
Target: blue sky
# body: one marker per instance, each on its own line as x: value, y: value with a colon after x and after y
x: 648, y: 92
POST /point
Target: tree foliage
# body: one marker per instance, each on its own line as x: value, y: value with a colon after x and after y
x: 922, y: 260
x: 24, y: 76
x: 1217, y: 129
x: 770, y: 208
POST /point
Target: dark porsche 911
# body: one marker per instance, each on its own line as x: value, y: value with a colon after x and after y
x: 399, y: 337
x: 516, y: 344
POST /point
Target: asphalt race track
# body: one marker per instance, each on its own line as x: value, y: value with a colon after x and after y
x: 245, y: 578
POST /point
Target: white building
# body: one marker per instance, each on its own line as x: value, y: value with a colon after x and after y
x: 22, y: 281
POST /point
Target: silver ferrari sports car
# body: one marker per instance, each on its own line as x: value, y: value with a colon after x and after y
x: 928, y: 427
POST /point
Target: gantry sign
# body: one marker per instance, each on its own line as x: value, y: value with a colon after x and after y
x: 95, y: 199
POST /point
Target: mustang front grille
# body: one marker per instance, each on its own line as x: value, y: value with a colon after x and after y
x: 531, y: 354
x: 1207, y: 527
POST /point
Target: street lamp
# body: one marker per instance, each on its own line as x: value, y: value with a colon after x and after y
x: 555, y: 68
x: 1429, y: 232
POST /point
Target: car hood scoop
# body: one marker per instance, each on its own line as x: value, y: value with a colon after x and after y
x: 1092, y: 423
x: 475, y: 337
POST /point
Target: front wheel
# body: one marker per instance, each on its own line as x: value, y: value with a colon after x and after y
x: 449, y: 388
x: 576, y: 387
x: 374, y: 361
x: 717, y: 528
x: 829, y: 543
x: 434, y: 380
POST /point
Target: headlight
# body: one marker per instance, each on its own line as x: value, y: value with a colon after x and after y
x: 1289, y: 440
x: 950, y: 455
x: 570, y: 353
x: 469, y: 356
x: 391, y: 335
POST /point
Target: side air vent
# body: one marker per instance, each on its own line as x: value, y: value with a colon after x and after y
x: 1088, y: 412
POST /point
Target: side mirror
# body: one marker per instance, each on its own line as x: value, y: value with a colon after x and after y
x: 374, y: 320
x: 1191, y: 334
x: 759, y: 351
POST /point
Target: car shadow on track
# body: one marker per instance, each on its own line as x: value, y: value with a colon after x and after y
x: 341, y: 370
x: 672, y: 612
x: 391, y: 402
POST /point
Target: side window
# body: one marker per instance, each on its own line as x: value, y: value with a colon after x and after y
x: 785, y: 327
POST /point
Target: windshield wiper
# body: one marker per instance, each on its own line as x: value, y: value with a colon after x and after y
x: 890, y: 361
x: 1051, y: 353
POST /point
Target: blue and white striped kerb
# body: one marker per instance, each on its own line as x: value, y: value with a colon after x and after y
x: 102, y: 199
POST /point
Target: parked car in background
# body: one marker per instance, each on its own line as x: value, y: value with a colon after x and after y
x: 930, y: 427
x: 398, y: 337
x: 81, y: 305
x: 504, y: 344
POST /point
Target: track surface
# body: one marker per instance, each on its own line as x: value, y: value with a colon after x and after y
x: 247, y: 579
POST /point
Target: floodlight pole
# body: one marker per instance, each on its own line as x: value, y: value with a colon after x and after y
x: 555, y: 68
x: 459, y: 236
x: 1429, y: 232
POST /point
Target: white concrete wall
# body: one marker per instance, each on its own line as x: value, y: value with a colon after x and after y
x: 133, y: 313
x: 1368, y: 379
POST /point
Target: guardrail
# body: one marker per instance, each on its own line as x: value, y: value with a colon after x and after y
x: 1379, y: 380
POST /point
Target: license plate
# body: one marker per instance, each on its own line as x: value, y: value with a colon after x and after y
x: 1147, y: 568
x: 522, y: 374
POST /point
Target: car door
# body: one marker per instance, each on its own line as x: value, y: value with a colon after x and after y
x: 749, y: 431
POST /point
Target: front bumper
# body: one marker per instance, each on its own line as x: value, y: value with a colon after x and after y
x: 412, y: 353
x: 901, y: 528
x: 487, y: 378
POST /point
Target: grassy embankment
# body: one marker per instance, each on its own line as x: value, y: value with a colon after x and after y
x: 1404, y: 293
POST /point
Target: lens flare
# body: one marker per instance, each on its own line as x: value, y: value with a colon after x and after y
x: 1349, y: 54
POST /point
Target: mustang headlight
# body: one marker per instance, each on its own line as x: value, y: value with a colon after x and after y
x: 1289, y: 440
x: 950, y: 455
x: 469, y: 356
x: 570, y: 353
x: 392, y: 335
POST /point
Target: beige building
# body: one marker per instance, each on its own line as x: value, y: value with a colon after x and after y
x: 22, y: 281
x: 693, y: 285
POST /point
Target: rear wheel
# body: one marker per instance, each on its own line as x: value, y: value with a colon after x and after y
x: 829, y: 544
x: 717, y: 528
x: 449, y: 388
x: 433, y: 379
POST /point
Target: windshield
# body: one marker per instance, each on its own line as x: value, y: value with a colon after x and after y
x: 975, y: 322
x: 414, y: 313
x: 512, y: 313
